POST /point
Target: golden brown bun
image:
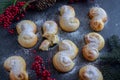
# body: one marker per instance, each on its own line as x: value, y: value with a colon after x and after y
x: 95, y: 38
x: 50, y: 32
x: 90, y: 52
x: 66, y: 10
x: 27, y: 39
x: 26, y: 25
x: 68, y: 22
x: 45, y: 45
x: 96, y: 25
x: 70, y: 46
x: 22, y: 76
x: 17, y: 67
x: 98, y: 18
x: 54, y: 39
x: 63, y: 60
x: 26, y: 30
x: 94, y: 43
x: 50, y: 28
x: 90, y: 72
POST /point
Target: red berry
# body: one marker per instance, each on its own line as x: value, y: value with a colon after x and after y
x: 17, y: 18
x: 11, y: 31
x: 22, y: 15
x: 40, y: 70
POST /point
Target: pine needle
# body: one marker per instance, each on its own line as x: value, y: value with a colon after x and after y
x: 110, y: 62
x: 4, y: 4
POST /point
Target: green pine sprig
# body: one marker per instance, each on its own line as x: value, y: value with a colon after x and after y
x: 5, y: 3
x: 113, y: 56
x: 110, y: 62
x: 111, y: 72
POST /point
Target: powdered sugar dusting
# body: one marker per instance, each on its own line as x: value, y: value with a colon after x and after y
x: 64, y: 45
x: 27, y: 27
x: 16, y: 66
x: 67, y: 11
x: 64, y: 60
x: 91, y: 73
x: 50, y: 27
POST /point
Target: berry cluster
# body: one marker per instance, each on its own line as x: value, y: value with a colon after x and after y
x: 40, y: 70
x: 10, y: 14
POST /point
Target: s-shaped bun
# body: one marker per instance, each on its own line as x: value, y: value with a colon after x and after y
x: 63, y: 59
x: 68, y: 21
x: 17, y: 67
x: 98, y: 18
x: 90, y: 72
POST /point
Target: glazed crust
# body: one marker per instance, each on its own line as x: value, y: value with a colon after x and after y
x: 98, y: 18
x: 83, y: 72
x: 17, y: 67
x: 25, y: 24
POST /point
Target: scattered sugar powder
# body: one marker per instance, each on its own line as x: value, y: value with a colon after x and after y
x: 92, y: 73
x: 27, y: 27
x: 16, y: 66
x: 65, y: 60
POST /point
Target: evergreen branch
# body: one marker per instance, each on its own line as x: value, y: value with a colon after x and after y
x: 114, y: 42
x: 14, y: 2
x: 4, y: 4
x: 110, y: 72
x: 26, y: 4
x: 114, y: 55
x: 110, y: 62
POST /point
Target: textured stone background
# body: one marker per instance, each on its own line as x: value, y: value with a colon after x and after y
x: 9, y: 45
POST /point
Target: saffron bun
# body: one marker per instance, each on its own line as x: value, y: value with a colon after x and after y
x: 27, y: 39
x: 70, y: 46
x: 50, y: 28
x: 63, y: 62
x: 96, y: 38
x: 66, y: 10
x: 50, y: 32
x: 26, y: 30
x: 90, y: 72
x: 63, y: 59
x: 45, y: 45
x: 68, y: 22
x: 54, y: 39
x: 98, y: 18
x: 94, y: 43
x: 90, y: 52
x: 16, y: 65
x: 26, y: 25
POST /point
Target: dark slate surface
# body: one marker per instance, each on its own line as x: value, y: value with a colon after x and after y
x: 9, y: 45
